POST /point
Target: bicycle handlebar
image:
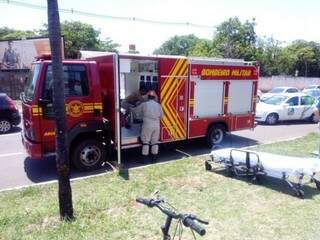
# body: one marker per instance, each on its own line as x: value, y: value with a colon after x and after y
x: 150, y: 202
x: 188, y: 220
x: 145, y: 201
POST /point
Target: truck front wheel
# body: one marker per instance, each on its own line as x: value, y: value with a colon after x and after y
x: 215, y: 135
x: 88, y: 155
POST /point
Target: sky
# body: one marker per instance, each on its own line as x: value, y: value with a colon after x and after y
x: 284, y: 20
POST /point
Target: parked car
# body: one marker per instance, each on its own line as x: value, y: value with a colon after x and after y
x: 259, y: 94
x: 312, y: 87
x: 313, y: 92
x: 279, y: 90
x: 9, y: 114
x: 298, y: 106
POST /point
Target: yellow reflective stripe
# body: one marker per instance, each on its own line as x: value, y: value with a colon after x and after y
x: 171, y: 120
x: 36, y: 110
x: 87, y: 108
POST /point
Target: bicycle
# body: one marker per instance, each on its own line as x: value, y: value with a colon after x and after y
x: 186, y: 219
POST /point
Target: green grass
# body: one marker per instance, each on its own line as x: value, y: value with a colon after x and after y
x: 301, y: 147
x: 105, y: 206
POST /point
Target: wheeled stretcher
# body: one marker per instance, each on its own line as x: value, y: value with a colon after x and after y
x: 293, y: 170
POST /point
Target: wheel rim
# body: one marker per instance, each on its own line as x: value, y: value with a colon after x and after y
x: 216, y: 136
x: 272, y: 119
x: 5, y: 126
x: 90, y: 155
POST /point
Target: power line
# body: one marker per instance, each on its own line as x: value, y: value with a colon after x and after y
x: 96, y: 15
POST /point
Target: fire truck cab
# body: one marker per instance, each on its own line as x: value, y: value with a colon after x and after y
x: 199, y: 98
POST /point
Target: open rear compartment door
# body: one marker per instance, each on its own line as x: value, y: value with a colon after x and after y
x: 173, y: 98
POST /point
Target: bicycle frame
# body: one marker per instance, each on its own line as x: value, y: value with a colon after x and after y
x: 166, y: 227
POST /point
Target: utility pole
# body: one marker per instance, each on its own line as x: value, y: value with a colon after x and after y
x: 62, y: 152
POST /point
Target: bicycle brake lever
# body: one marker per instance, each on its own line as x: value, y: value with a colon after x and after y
x: 194, y: 217
x: 156, y: 193
x: 201, y: 221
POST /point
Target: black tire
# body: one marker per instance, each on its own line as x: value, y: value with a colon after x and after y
x: 272, y: 119
x: 215, y: 135
x: 5, y: 126
x: 88, y: 155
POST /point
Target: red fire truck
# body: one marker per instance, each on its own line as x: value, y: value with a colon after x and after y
x: 199, y: 98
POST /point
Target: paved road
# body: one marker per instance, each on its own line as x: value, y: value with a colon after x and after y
x: 16, y: 169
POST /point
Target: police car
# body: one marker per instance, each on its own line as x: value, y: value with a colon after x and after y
x: 288, y: 106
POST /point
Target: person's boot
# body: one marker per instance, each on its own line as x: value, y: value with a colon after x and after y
x: 153, y: 158
x: 145, y: 159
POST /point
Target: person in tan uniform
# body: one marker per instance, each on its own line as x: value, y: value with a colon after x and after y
x: 151, y: 113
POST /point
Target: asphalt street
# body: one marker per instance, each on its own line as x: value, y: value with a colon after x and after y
x: 16, y: 169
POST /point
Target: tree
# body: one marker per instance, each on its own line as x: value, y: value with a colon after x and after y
x: 203, y: 48
x: 9, y: 34
x: 304, y: 58
x: 62, y: 157
x: 287, y: 62
x: 234, y: 39
x: 268, y: 52
x: 178, y: 45
x: 82, y: 36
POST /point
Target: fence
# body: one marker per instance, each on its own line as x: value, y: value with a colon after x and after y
x: 12, y: 81
x: 267, y: 83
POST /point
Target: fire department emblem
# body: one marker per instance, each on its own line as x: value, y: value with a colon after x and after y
x: 75, y: 108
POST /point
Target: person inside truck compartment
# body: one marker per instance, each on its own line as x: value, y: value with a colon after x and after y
x: 151, y: 113
x: 131, y: 101
x: 136, y: 97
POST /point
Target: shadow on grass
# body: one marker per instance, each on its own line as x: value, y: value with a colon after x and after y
x: 275, y: 184
x: 45, y: 170
x: 124, y: 172
x: 178, y: 150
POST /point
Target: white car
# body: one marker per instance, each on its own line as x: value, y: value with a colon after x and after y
x: 312, y: 87
x: 297, y: 106
x: 277, y: 91
x: 314, y: 92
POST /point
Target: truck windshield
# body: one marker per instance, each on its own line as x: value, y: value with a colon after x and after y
x: 31, y: 82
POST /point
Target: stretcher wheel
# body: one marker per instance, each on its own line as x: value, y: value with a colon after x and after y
x: 257, y: 179
x: 208, y: 166
x: 300, y: 193
x: 230, y: 172
x: 317, y: 184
